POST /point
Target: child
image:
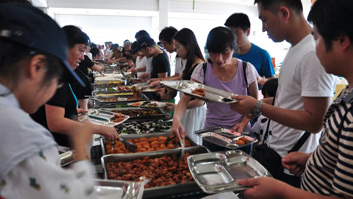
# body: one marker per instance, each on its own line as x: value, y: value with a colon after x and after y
x: 260, y: 126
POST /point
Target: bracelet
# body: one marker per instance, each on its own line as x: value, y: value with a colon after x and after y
x: 256, y: 112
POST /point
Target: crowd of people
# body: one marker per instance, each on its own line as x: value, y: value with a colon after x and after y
x: 46, y: 86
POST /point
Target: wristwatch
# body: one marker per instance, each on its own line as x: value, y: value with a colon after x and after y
x: 256, y: 112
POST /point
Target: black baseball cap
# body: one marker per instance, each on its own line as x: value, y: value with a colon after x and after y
x: 31, y: 27
x: 143, y: 42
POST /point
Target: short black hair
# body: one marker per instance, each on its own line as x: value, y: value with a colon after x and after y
x: 167, y: 34
x: 332, y: 19
x: 129, y: 57
x: 219, y: 39
x: 75, y: 36
x: 273, y: 5
x: 270, y: 87
x: 141, y: 33
x: 240, y: 20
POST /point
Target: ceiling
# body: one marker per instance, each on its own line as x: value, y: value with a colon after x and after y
x: 145, y: 7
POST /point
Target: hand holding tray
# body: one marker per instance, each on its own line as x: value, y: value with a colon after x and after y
x: 211, y: 94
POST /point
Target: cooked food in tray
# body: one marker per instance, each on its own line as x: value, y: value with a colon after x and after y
x: 218, y: 172
x: 144, y: 144
x: 168, y: 173
x: 225, y: 138
x: 200, y: 91
x: 139, y: 113
x: 148, y: 104
x: 162, y: 171
x: 119, y: 99
x: 143, y: 127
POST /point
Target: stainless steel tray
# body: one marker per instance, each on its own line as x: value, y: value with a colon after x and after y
x: 225, y: 138
x: 118, y: 99
x: 211, y: 94
x: 102, y: 117
x: 119, y: 189
x: 133, y: 113
x: 138, y: 136
x: 218, y: 172
x: 67, y: 158
x: 163, y: 190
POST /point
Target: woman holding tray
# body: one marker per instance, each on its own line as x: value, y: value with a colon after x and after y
x: 188, y: 49
x: 225, y: 73
x: 33, y: 56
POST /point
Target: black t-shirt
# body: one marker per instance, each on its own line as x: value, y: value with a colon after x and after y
x: 82, y: 72
x: 160, y: 64
x: 63, y: 98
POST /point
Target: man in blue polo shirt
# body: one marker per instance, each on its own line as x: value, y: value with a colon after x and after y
x: 239, y: 23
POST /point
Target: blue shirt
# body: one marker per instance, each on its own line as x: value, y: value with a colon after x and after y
x: 260, y: 58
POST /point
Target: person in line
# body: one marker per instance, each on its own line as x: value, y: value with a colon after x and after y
x: 239, y: 23
x: 221, y: 72
x: 166, y: 37
x: 143, y: 72
x: 31, y: 65
x: 108, y: 49
x: 304, y: 88
x: 127, y: 48
x: 188, y: 49
x: 160, y: 60
x: 60, y: 114
x: 140, y: 63
x: 327, y: 172
x: 116, y: 55
x: 262, y: 123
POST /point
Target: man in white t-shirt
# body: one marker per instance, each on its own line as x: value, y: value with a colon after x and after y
x: 304, y: 88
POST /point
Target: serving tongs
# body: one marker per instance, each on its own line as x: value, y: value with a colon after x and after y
x: 182, y: 143
x: 128, y: 145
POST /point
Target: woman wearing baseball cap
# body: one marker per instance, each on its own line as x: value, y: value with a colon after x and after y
x: 33, y: 56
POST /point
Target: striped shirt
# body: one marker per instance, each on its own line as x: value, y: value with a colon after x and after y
x: 329, y: 170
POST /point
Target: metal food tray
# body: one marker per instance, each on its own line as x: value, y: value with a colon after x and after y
x: 163, y: 190
x: 218, y: 172
x: 121, y: 99
x: 159, y: 115
x: 211, y: 94
x: 109, y: 77
x: 144, y: 126
x: 224, y: 137
x: 67, y: 158
x: 138, y: 136
x: 119, y: 189
x: 113, y: 94
x: 102, y: 117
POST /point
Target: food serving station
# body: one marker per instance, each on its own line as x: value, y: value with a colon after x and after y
x: 149, y: 161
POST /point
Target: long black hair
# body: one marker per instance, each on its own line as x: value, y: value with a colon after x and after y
x: 188, y: 39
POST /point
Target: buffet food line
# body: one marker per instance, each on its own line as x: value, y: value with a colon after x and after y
x: 149, y: 161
